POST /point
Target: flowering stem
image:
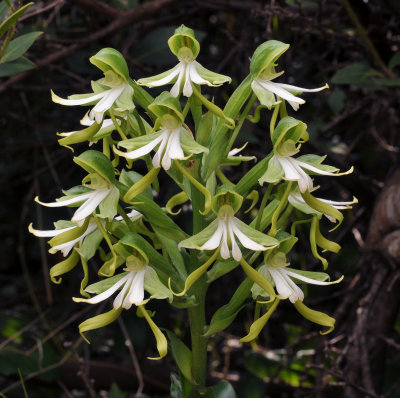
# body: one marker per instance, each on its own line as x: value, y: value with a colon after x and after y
x: 278, y: 210
x: 127, y: 220
x: 116, y: 124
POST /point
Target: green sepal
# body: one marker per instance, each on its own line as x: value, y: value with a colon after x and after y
x: 286, y: 241
x: 166, y: 104
x: 140, y: 186
x: 214, y: 78
x: 256, y: 290
x: 184, y: 37
x: 109, y: 59
x: 257, y: 236
x: 266, y: 97
x: 189, y: 144
x: 315, y: 316
x: 316, y: 161
x: 259, y: 324
x: 105, y: 284
x: 324, y: 243
x: 80, y: 136
x: 98, y: 321
x: 63, y: 267
x: 155, y: 287
x: 129, y: 178
x: 137, y: 142
x: 265, y: 55
x: 110, y: 265
x: 287, y: 134
x: 98, y: 163
x: 68, y: 236
x: 162, y: 344
x: 182, y: 356
x: 197, y: 240
x: 176, y: 200
x: 274, y: 172
x: 90, y: 244
x: 226, y: 314
x: 318, y: 276
x: 108, y: 206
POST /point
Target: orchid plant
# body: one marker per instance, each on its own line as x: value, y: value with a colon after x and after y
x: 144, y: 253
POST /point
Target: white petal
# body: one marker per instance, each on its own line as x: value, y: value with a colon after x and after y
x: 136, y: 292
x: 118, y: 301
x: 308, y: 280
x: 66, y: 247
x: 167, y: 79
x: 280, y: 92
x: 109, y: 98
x: 291, y: 172
x: 297, y: 293
x: 160, y: 151
x: 91, y: 204
x: 81, y: 101
x: 296, y: 89
x: 194, y: 75
x: 281, y: 285
x: 176, y: 88
x: 314, y: 169
x: 144, y: 150
x: 245, y: 240
x: 107, y: 293
x: 224, y: 241
x: 175, y: 150
x: 187, y: 88
x: 215, y: 239
x: 47, y: 233
x: 61, y: 203
x: 338, y: 205
x: 236, y: 253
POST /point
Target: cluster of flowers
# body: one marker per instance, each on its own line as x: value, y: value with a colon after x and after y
x: 120, y: 214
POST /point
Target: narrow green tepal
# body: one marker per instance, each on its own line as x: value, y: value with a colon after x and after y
x: 183, y: 44
x: 109, y: 59
x: 96, y: 162
x: 264, y: 57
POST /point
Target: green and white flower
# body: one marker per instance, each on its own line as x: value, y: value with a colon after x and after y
x: 277, y: 271
x: 77, y: 233
x: 294, y: 169
x: 297, y: 201
x: 188, y: 71
x: 172, y: 144
x: 224, y: 231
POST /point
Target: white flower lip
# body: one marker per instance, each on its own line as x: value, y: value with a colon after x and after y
x: 293, y: 170
x: 169, y: 148
x: 131, y: 293
x: 186, y: 72
x: 106, y: 100
x: 220, y: 239
x: 66, y: 247
x: 91, y: 201
x: 282, y: 90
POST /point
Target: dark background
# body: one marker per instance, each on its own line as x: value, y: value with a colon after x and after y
x: 355, y: 122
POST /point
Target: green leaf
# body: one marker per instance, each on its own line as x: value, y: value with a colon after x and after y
x: 337, y: 100
x: 226, y: 314
x: 13, y: 18
x: 115, y: 392
x: 182, y: 356
x: 394, y: 61
x: 223, y: 389
x: 19, y: 46
x: 357, y: 74
x: 3, y: 10
x: 14, y: 67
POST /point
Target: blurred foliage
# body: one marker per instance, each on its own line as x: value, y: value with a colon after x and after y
x: 355, y: 122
